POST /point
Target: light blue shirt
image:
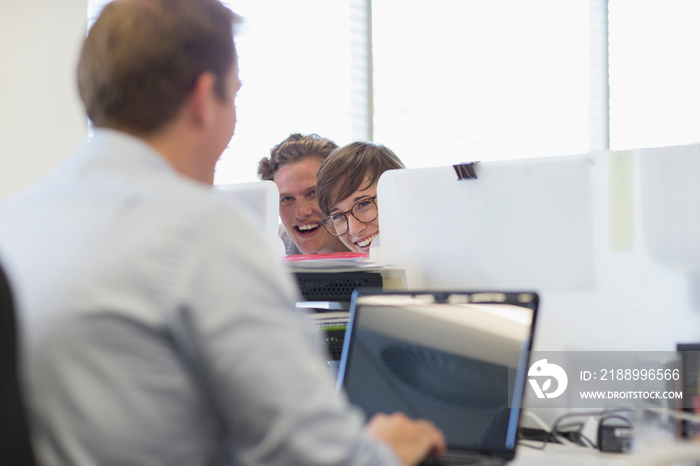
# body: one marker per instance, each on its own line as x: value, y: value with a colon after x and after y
x: 158, y: 330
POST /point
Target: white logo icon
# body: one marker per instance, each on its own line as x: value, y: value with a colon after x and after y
x: 542, y: 369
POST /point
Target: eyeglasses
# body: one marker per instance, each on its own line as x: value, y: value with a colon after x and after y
x: 364, y: 211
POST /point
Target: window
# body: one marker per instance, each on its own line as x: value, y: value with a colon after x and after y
x: 295, y: 66
x: 459, y: 81
x: 450, y: 81
x: 654, y: 90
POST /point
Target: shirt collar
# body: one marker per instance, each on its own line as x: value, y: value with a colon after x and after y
x: 130, y: 148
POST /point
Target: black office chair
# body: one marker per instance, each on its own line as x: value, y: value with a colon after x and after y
x: 15, y: 446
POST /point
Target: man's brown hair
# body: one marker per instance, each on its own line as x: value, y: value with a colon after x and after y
x: 142, y: 58
x: 293, y: 149
x: 347, y: 168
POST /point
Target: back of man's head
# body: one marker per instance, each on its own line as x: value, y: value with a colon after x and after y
x: 142, y: 58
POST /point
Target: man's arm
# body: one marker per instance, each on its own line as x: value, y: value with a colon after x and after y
x: 263, y: 361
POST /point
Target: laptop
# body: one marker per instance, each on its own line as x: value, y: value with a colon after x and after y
x: 456, y: 358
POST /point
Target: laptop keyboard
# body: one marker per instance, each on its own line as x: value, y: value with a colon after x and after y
x: 446, y: 460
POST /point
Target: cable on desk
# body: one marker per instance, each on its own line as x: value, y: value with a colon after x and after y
x: 615, y: 431
x: 543, y: 426
x: 551, y: 435
x: 571, y: 433
x: 575, y: 436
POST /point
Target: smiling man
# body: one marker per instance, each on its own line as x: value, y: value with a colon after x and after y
x: 293, y: 165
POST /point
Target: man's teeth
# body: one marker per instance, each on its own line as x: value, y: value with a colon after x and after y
x: 366, y: 241
x: 311, y: 226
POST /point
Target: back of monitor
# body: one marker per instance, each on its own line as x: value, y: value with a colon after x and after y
x: 260, y: 201
x: 518, y: 224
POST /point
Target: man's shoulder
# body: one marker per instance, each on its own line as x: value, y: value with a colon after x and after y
x: 194, y: 200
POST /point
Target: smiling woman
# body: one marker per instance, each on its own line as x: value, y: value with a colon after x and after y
x: 347, y: 192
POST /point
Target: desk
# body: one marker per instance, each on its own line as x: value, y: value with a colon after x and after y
x: 569, y: 455
x: 577, y: 456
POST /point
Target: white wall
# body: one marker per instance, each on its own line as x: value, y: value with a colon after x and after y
x: 639, y: 303
x: 41, y: 118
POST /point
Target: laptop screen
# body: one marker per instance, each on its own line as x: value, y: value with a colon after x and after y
x: 456, y: 358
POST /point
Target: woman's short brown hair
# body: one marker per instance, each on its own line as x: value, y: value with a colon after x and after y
x: 142, y: 58
x: 293, y: 149
x: 347, y: 168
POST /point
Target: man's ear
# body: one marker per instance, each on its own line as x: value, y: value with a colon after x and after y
x: 202, y: 99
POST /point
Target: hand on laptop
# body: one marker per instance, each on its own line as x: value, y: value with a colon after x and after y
x: 412, y: 440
